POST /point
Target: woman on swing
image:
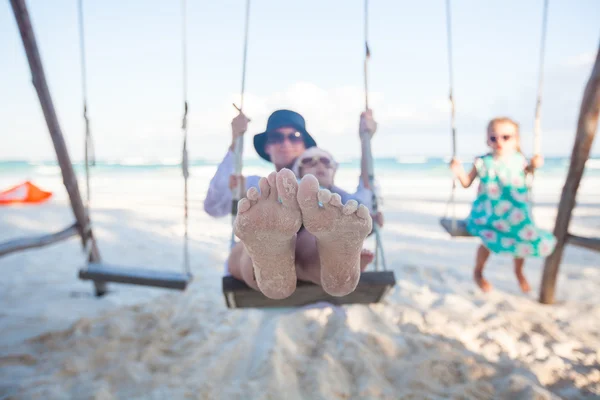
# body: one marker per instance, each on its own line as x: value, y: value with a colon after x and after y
x: 293, y: 230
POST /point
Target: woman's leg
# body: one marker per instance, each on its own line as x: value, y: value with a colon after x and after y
x: 240, y: 265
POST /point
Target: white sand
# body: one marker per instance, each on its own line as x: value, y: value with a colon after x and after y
x: 435, y: 335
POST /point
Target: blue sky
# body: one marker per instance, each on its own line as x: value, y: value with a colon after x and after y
x: 305, y: 55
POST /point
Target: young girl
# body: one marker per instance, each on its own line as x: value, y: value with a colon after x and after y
x: 501, y: 215
x: 321, y: 164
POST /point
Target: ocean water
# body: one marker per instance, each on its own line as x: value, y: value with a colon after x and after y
x: 433, y: 166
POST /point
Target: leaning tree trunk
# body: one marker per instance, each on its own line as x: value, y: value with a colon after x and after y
x: 586, y: 130
x: 64, y: 160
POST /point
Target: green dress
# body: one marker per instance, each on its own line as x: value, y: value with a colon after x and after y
x: 501, y: 214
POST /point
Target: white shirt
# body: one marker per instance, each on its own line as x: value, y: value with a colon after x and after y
x: 219, y: 197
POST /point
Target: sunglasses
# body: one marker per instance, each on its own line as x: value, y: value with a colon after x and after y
x: 312, y: 161
x: 278, y: 137
x: 505, y: 138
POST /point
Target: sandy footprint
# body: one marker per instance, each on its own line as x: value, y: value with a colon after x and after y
x: 268, y: 227
x: 340, y: 231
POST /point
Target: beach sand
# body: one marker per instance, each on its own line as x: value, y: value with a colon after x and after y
x: 434, y: 336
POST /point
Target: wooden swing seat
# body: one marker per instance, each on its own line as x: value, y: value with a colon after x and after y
x: 460, y: 229
x: 372, y: 288
x: 100, y: 272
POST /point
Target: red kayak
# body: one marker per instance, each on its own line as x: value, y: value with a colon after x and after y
x: 24, y: 193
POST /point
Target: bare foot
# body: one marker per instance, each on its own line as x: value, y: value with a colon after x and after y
x: 340, y: 231
x: 366, y: 258
x: 482, y: 282
x: 268, y: 228
x: 525, y: 288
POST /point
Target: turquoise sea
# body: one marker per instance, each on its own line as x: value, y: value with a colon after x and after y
x: 422, y: 165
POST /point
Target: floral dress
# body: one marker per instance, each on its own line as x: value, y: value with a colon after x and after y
x: 501, y: 214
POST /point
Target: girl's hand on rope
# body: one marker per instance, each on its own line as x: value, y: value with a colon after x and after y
x: 537, y: 161
x: 235, y: 180
x: 367, y: 125
x: 239, y: 126
x: 456, y: 167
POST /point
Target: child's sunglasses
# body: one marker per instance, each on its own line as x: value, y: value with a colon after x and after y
x: 278, y: 137
x: 312, y: 161
x: 505, y: 138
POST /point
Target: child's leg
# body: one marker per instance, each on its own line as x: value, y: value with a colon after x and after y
x: 519, y: 262
x: 482, y: 255
x: 240, y: 265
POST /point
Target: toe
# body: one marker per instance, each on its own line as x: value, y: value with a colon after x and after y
x: 252, y: 194
x: 272, y: 178
x: 265, y: 189
x: 287, y: 187
x: 244, y: 205
x: 336, y: 200
x: 363, y: 212
x: 324, y: 196
x: 307, y: 194
x: 350, y: 207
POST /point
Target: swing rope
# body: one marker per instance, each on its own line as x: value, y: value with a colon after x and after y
x: 89, y: 149
x: 379, y: 253
x: 238, y: 192
x: 451, y: 201
x: 537, y: 131
x: 367, y: 53
x: 537, y: 126
x: 89, y: 157
x: 184, y: 127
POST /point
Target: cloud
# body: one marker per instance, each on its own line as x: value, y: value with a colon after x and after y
x: 581, y: 60
x: 407, y: 125
x: 335, y: 111
x: 332, y: 115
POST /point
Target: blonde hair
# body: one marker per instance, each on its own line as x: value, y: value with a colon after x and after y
x: 506, y: 120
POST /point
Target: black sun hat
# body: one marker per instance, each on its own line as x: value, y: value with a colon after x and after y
x: 279, y: 119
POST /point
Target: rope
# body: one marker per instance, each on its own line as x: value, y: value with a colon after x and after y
x: 379, y: 253
x: 184, y: 158
x: 238, y: 192
x: 89, y: 147
x: 84, y: 94
x: 451, y: 201
x: 245, y: 55
x: 538, y: 105
x: 367, y: 53
x: 451, y: 78
x: 537, y: 126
